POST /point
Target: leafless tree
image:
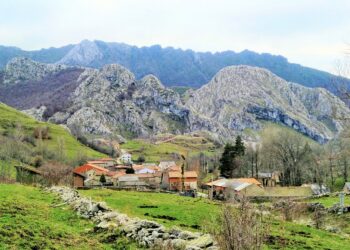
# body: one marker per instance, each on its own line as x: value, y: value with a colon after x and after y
x: 240, y: 228
x: 56, y: 173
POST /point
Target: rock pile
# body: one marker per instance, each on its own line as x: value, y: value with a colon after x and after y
x: 145, y: 233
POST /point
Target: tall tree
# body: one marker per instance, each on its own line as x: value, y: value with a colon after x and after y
x: 231, y: 162
x: 226, y: 161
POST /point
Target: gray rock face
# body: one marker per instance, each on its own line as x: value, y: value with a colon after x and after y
x: 82, y: 54
x: 23, y: 69
x: 111, y: 100
x: 239, y: 97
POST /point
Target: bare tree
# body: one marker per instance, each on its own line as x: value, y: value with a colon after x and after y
x: 56, y: 173
x: 240, y: 228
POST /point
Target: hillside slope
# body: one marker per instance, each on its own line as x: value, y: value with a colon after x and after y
x: 30, y: 220
x: 15, y: 124
x: 110, y: 101
x: 172, y: 66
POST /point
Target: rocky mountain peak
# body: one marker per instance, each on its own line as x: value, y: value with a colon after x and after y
x: 110, y: 100
x: 240, y: 97
x: 151, y: 81
x: 117, y: 75
x: 24, y: 69
x: 82, y: 54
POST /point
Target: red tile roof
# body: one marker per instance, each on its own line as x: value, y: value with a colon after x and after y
x: 87, y: 167
x: 187, y: 174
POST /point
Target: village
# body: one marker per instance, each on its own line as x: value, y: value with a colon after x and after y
x: 167, y: 176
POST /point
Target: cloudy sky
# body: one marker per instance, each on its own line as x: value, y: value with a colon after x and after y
x: 314, y: 33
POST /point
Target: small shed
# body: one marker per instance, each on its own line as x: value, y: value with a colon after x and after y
x: 130, y: 181
x: 78, y: 180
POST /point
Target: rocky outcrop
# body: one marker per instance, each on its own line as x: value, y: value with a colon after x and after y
x: 22, y: 69
x: 110, y: 101
x: 146, y: 233
x: 240, y: 97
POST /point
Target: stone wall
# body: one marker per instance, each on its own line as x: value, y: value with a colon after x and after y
x: 146, y: 233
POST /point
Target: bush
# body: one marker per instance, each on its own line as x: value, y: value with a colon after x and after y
x: 41, y: 133
x: 103, y: 179
x: 38, y: 161
x: 141, y: 159
x: 239, y: 228
x: 130, y: 171
x: 56, y: 173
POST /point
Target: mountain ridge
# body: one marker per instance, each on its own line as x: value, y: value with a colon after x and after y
x: 111, y: 100
x: 174, y: 67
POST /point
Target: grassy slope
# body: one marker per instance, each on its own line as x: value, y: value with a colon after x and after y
x: 9, y: 117
x: 181, y: 144
x: 330, y: 201
x: 188, y: 212
x: 28, y: 221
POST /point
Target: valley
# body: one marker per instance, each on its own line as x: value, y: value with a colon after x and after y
x: 187, y: 140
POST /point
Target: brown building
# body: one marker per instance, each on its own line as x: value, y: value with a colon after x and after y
x: 78, y: 180
x: 173, y: 180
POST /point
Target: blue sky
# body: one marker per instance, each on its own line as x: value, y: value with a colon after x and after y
x: 314, y: 33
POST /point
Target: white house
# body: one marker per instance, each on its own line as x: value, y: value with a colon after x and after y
x: 126, y: 158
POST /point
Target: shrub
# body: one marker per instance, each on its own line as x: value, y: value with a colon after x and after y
x: 130, y: 171
x: 56, y: 173
x: 239, y: 228
x: 103, y: 179
x: 141, y: 159
x: 38, y: 161
x: 41, y: 133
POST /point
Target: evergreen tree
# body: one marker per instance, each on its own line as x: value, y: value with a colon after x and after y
x: 230, y: 159
x: 226, y: 161
x: 103, y: 179
x: 239, y: 147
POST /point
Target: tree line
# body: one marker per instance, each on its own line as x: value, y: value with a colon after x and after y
x: 295, y: 158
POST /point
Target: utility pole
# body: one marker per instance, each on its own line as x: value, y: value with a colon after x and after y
x: 331, y: 170
x: 183, y: 174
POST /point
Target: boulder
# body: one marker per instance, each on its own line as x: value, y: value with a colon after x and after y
x: 202, y: 242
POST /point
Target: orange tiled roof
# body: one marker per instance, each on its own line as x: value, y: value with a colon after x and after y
x: 187, y: 174
x: 84, y: 168
x: 249, y: 180
x: 139, y: 167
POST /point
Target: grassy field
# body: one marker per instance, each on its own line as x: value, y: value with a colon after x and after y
x: 195, y: 214
x: 330, y: 201
x: 181, y: 211
x: 28, y: 221
x: 10, y: 118
x: 164, y: 149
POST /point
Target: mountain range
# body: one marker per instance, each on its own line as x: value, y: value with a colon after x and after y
x: 111, y: 101
x: 174, y: 67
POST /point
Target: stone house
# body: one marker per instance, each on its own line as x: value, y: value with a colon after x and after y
x: 104, y: 162
x: 145, y: 169
x: 269, y: 179
x: 125, y: 158
x: 232, y: 188
x: 130, y: 181
x: 91, y: 175
x: 164, y: 165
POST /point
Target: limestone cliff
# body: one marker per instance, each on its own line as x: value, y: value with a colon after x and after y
x: 240, y: 97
